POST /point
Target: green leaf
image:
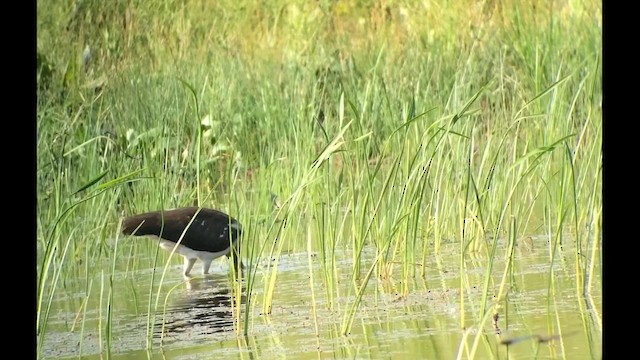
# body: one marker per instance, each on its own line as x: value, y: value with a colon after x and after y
x: 91, y: 182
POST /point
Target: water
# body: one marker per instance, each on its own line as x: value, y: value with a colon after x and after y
x: 195, y: 320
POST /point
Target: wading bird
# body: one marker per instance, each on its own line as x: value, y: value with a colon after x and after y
x: 209, y: 235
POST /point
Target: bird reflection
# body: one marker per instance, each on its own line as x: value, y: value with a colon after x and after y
x: 204, y: 308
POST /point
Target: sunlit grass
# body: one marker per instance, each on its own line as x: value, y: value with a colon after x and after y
x: 335, y: 129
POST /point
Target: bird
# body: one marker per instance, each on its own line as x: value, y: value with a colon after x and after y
x: 210, y: 234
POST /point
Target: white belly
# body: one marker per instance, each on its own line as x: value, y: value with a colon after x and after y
x: 192, y: 254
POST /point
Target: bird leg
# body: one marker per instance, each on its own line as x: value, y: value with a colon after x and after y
x: 188, y: 264
x: 206, y: 263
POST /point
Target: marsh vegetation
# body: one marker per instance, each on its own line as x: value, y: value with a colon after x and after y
x: 415, y: 179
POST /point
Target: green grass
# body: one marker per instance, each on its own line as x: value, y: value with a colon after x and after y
x: 390, y: 126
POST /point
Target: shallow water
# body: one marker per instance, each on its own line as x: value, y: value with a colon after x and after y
x: 195, y: 320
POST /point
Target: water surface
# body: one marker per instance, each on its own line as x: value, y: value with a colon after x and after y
x: 195, y: 320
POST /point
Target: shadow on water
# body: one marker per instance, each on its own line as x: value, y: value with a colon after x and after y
x: 202, y: 308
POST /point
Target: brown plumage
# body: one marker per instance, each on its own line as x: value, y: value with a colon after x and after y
x: 206, y: 238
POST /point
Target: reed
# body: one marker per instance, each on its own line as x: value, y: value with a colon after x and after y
x: 385, y: 133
